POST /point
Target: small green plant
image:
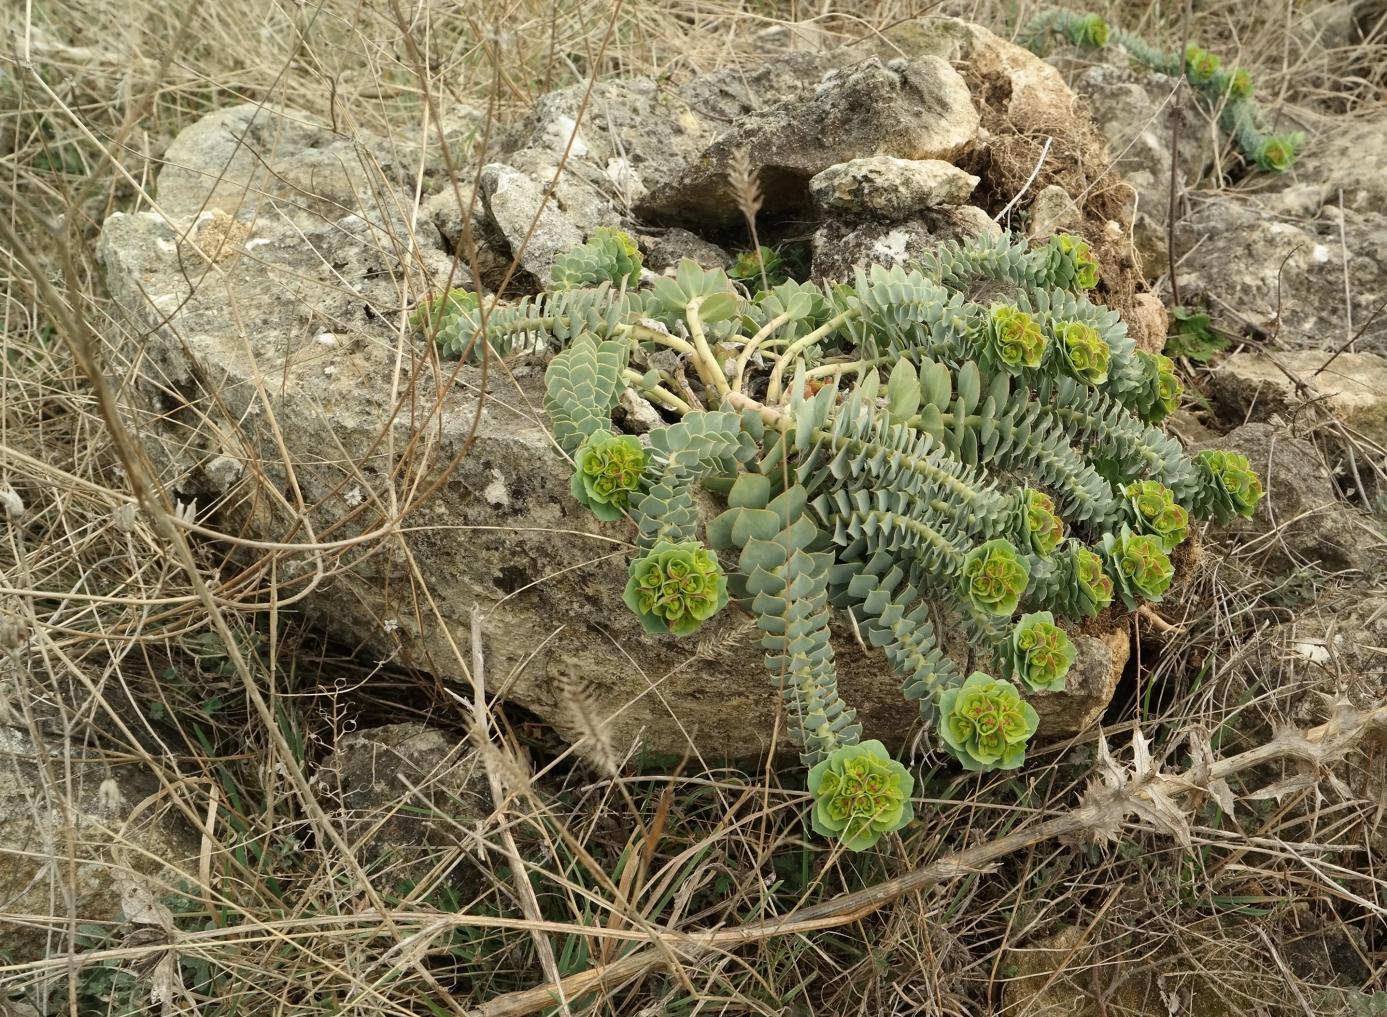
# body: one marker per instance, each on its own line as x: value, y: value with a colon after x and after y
x: 748, y: 268
x: 1192, y: 335
x: 1231, y: 91
x: 969, y: 439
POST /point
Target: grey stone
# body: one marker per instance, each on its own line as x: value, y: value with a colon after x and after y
x: 1053, y: 211
x: 917, y: 109
x: 840, y: 245
x: 669, y: 247
x: 1346, y: 157
x: 534, y: 225
x: 1277, y: 277
x: 1089, y: 686
x: 405, y: 796
x: 1302, y: 520
x: 887, y: 188
x: 1351, y: 386
x: 77, y: 831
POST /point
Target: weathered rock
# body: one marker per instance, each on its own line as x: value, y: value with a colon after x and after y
x: 890, y: 189
x: 1302, y: 519
x: 1089, y: 687
x: 1345, y: 158
x: 536, y: 229
x: 400, y: 793
x: 358, y: 416
x: 57, y: 824
x: 840, y: 244
x: 1351, y: 386
x: 671, y: 246
x: 1148, y: 322
x: 916, y: 109
x: 1053, y: 211
x: 1283, y: 278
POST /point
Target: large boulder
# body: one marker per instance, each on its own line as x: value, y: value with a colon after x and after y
x: 279, y: 388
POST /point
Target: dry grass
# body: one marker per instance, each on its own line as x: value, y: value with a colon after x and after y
x: 148, y: 653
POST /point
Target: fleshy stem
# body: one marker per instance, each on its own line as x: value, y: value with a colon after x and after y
x: 704, y: 361
x: 744, y: 358
x: 799, y: 346
x: 657, y: 393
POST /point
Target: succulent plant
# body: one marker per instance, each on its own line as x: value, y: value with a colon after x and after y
x: 609, y: 470
x: 1230, y: 92
x: 676, y: 587
x: 430, y: 315
x: 986, y: 724
x: 1040, y: 652
x: 949, y: 439
x: 1229, y: 486
x: 610, y: 255
x: 860, y: 795
x: 1085, y: 353
x: 1139, y: 566
x: 748, y: 266
x: 1152, y: 509
x: 994, y: 577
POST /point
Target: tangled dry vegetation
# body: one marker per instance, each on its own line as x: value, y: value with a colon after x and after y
x: 169, y: 664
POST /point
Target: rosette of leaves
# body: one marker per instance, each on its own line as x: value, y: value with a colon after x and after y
x: 1014, y: 339
x: 1139, y: 566
x: 1275, y: 153
x: 1228, y: 487
x: 1239, y: 84
x: 1160, y: 387
x: 610, y: 255
x: 675, y: 588
x: 993, y: 577
x: 430, y: 315
x: 1087, y: 30
x: 1152, y: 509
x: 1077, y: 268
x: 860, y: 795
x: 748, y: 268
x: 1086, y: 355
x: 608, y: 471
x: 1044, y: 527
x: 1040, y: 652
x: 985, y: 723
x: 1200, y: 65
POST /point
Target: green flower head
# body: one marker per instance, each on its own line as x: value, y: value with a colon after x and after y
x: 985, y: 723
x: 676, y: 587
x: 1275, y: 154
x: 746, y: 268
x: 1089, y: 30
x: 1041, y: 653
x: 1228, y: 486
x: 1084, y: 265
x: 609, y: 469
x: 1200, y: 64
x: 860, y: 794
x: 1044, y: 527
x: 1015, y: 339
x: 1163, y: 389
x: 1152, y: 509
x: 1240, y: 84
x: 1094, y: 587
x: 1138, y: 565
x: 1085, y: 352
x: 993, y: 577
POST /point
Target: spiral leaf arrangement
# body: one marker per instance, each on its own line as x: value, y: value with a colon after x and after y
x: 1240, y: 116
x: 967, y: 440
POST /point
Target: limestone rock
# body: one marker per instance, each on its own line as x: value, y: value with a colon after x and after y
x: 108, y: 832
x: 889, y: 189
x: 1148, y: 322
x: 1053, y: 211
x: 534, y: 226
x: 1301, y: 520
x: 916, y: 109
x: 1346, y: 158
x: 670, y: 247
x: 1351, y: 386
x: 839, y: 245
x: 400, y: 792
x: 1088, y: 688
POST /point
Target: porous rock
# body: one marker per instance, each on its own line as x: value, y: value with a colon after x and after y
x: 887, y: 188
x: 911, y: 109
x: 401, y: 792
x: 669, y: 247
x: 362, y: 416
x: 841, y: 244
x: 103, y: 814
x: 1053, y: 211
x: 534, y: 226
x: 1351, y: 386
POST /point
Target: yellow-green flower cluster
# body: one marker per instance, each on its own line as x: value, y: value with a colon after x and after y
x: 1085, y: 352
x: 985, y: 723
x: 676, y: 587
x: 1139, y: 566
x: 994, y: 577
x: 1041, y: 653
x: 1044, y: 527
x: 609, y: 470
x: 1015, y: 339
x: 1163, y: 387
x: 1228, y: 486
x: 1200, y: 64
x: 860, y: 795
x: 1094, y: 586
x: 1153, y: 509
x: 1081, y: 255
